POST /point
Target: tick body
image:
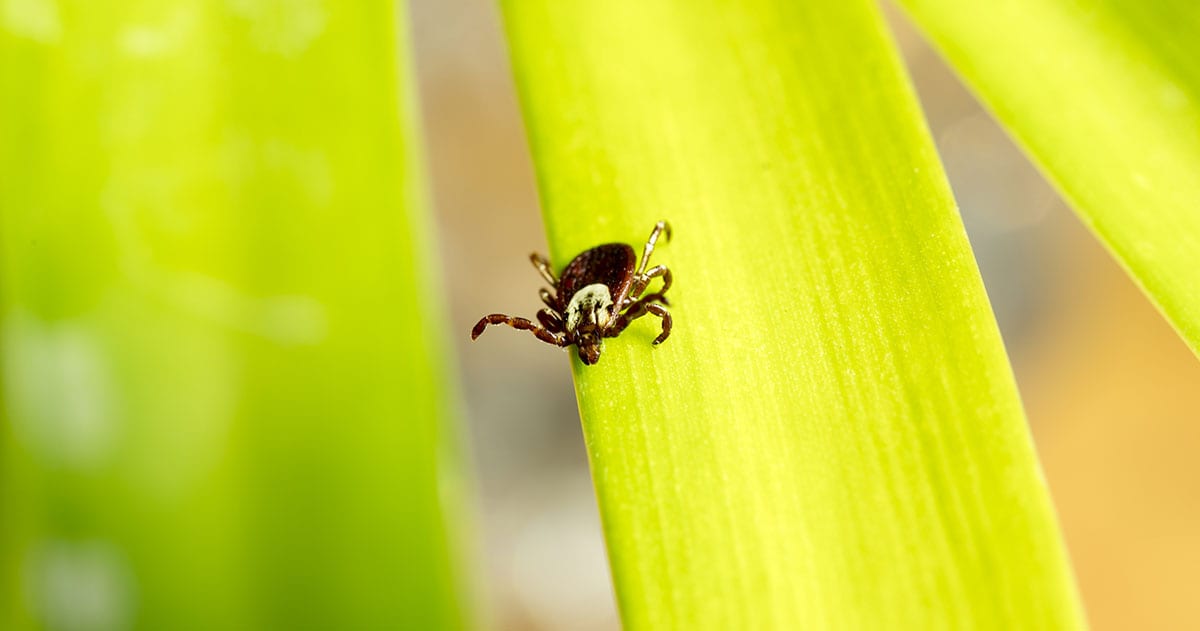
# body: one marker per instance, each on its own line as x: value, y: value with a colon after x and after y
x: 597, y: 295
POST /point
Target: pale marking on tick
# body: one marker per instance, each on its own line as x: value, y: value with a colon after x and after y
x: 593, y: 299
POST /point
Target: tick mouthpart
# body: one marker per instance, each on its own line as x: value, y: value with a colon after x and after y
x: 589, y: 353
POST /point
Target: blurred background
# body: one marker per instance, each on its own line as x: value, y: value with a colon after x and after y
x: 1112, y: 393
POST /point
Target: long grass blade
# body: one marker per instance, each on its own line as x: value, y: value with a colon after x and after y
x: 1105, y: 96
x: 224, y: 404
x: 831, y: 437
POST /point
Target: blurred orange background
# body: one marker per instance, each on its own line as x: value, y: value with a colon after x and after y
x: 1112, y: 393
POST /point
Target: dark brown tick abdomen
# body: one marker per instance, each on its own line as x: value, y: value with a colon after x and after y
x: 611, y: 264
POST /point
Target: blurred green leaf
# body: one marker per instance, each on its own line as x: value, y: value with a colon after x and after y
x: 1105, y: 96
x: 224, y: 394
x: 831, y: 437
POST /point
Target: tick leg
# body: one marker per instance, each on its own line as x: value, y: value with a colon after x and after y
x: 655, y: 272
x: 661, y: 312
x: 637, y: 310
x: 550, y: 320
x: 655, y: 297
x: 640, y: 283
x: 520, y: 324
x: 543, y: 266
x: 659, y: 228
x: 548, y: 298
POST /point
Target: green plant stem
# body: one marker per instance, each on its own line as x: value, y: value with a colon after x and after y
x: 831, y: 437
x: 224, y: 403
x: 1105, y: 97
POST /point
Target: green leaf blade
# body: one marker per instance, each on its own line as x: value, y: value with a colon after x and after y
x: 1105, y: 97
x: 224, y: 403
x: 831, y: 437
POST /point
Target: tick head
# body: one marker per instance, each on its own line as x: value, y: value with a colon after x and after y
x: 589, y: 350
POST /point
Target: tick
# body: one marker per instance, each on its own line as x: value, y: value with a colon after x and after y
x: 597, y: 295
